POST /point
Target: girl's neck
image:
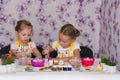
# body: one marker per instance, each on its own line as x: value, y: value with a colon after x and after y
x: 69, y: 45
x: 23, y: 44
x: 19, y: 43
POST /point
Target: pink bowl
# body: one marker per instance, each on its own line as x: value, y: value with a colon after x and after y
x: 37, y: 63
x: 87, y: 61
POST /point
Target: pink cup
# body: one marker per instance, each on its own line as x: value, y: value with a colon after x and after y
x: 87, y: 61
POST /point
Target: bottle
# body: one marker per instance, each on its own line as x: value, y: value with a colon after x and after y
x: 99, y: 67
x: 75, y: 62
x: 23, y: 60
x: 29, y: 59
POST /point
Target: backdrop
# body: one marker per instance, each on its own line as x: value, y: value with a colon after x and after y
x: 48, y: 16
x: 110, y: 30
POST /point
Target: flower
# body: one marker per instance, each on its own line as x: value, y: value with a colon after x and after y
x: 8, y: 59
x: 106, y: 61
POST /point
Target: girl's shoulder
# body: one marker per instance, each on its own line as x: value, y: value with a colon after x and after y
x: 54, y: 42
x: 31, y: 42
x: 76, y: 45
x: 13, y: 44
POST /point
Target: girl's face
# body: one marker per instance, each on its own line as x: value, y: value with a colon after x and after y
x: 64, y: 40
x: 24, y: 35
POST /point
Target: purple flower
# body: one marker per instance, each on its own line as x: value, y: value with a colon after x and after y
x: 61, y: 8
x: 85, y: 35
x: 1, y: 33
x: 98, y: 10
x: 81, y: 44
x: 28, y: 13
x: 91, y: 1
x: 11, y: 39
x: 54, y: 28
x: 91, y: 23
x: 1, y: 8
x: 65, y: 22
x: 20, y: 15
x: 69, y: 2
x: 42, y: 20
x: 29, y: 1
x: 41, y: 44
x: 81, y: 30
x: 60, y: 17
x: 2, y: 28
x: 93, y: 29
x: 81, y: 20
x: 98, y: 17
x: 2, y: 44
x: 4, y: 2
x: 47, y: 35
x: 40, y: 34
x: 50, y: 40
x: 13, y: 22
x: 3, y: 19
x: 7, y: 34
x: 40, y: 10
x: 80, y: 11
x: 68, y: 14
x: 80, y: 2
x: 52, y: 23
x: 41, y: 1
x: 22, y: 7
x: 89, y: 41
x: 41, y: 29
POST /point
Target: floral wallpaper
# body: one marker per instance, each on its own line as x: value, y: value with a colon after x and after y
x: 48, y: 16
x: 110, y: 30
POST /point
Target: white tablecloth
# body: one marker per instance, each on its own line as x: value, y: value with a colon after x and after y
x: 63, y: 75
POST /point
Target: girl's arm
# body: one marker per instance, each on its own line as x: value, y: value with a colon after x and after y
x: 47, y: 50
x: 76, y: 53
x: 37, y: 53
x: 16, y: 53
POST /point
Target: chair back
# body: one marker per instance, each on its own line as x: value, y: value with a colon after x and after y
x: 5, y: 49
x: 86, y: 52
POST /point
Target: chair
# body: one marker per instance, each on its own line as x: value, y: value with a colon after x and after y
x: 53, y: 54
x: 5, y: 50
x: 86, y: 52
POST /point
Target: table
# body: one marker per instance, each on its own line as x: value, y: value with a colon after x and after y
x: 63, y: 75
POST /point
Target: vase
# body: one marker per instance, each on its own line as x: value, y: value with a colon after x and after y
x: 3, y: 68
x: 104, y: 67
x: 107, y: 68
x: 8, y: 67
x: 118, y: 62
x: 112, y: 69
x: 13, y: 67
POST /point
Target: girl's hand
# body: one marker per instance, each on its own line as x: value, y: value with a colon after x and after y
x: 16, y: 53
x: 29, y: 52
x: 46, y: 50
x: 13, y: 51
x: 19, y: 54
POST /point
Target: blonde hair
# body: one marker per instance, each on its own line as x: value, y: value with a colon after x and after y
x: 70, y: 30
